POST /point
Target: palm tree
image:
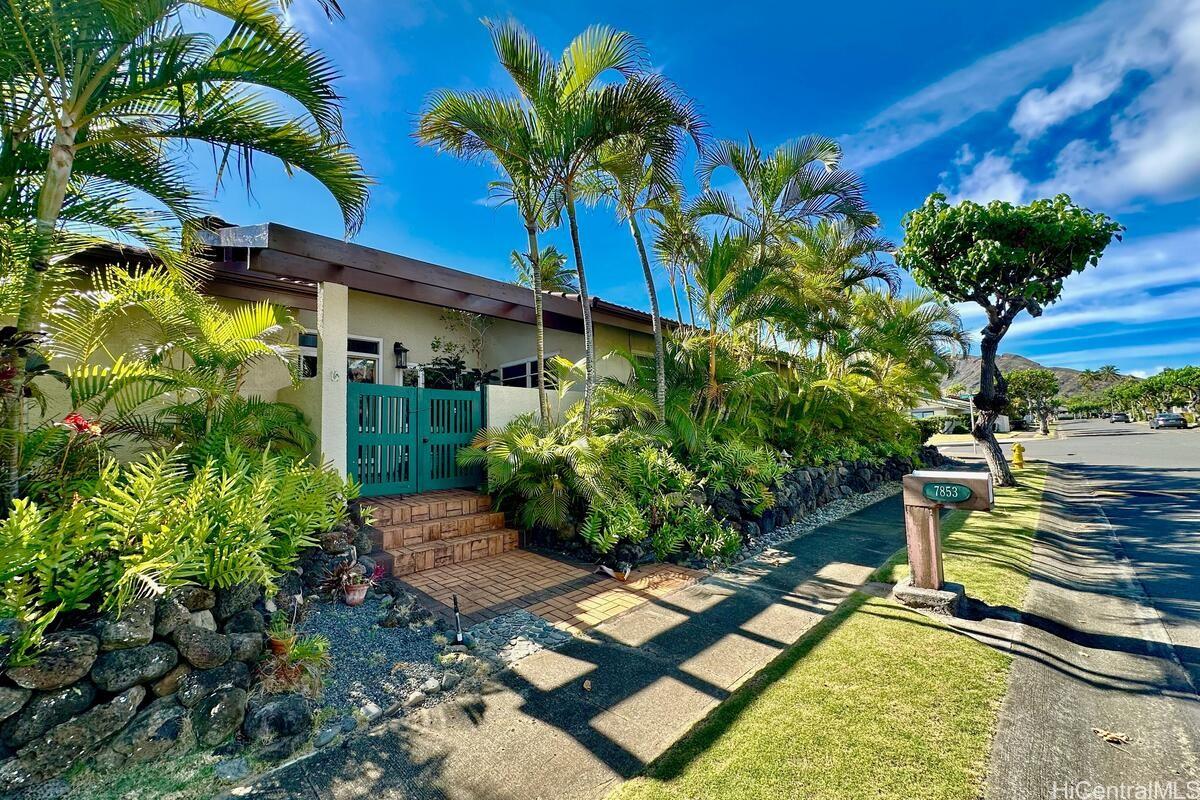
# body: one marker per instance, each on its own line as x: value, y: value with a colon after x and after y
x: 576, y: 114
x: 556, y: 276
x: 729, y: 283
x: 97, y: 96
x: 800, y: 182
x: 485, y: 125
x: 624, y: 174
x: 677, y: 245
x: 1109, y: 373
x: 911, y: 341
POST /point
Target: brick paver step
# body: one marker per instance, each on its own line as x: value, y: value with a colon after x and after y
x: 416, y: 533
x: 460, y: 549
x: 427, y: 506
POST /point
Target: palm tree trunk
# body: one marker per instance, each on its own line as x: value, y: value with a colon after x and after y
x: 585, y: 301
x: 535, y: 261
x: 660, y: 378
x: 675, y: 298
x: 50, y: 203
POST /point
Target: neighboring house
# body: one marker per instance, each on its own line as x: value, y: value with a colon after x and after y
x: 359, y: 306
x: 953, y: 407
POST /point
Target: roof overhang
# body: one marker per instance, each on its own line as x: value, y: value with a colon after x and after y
x: 270, y: 252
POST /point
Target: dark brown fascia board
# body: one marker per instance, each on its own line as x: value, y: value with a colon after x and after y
x: 275, y: 262
x: 407, y: 278
x: 281, y: 238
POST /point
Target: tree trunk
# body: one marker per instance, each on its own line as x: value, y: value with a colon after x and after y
x: 535, y: 262
x: 989, y: 402
x: 585, y: 301
x: 1045, y: 418
x: 660, y: 377
x: 50, y: 203
x: 675, y: 297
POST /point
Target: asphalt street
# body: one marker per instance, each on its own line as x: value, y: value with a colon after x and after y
x: 1147, y: 484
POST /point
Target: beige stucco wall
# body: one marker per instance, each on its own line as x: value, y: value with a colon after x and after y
x: 506, y: 403
x: 506, y: 341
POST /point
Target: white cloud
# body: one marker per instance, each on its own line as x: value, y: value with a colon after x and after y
x: 1127, y: 308
x: 1144, y: 42
x: 1153, y: 151
x: 990, y: 178
x: 986, y: 84
x: 1149, y: 151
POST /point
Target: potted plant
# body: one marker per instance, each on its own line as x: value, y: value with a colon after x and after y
x: 347, y: 578
x: 281, y: 636
x: 355, y: 589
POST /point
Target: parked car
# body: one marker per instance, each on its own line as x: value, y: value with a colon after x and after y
x: 1168, y: 421
x: 1118, y: 417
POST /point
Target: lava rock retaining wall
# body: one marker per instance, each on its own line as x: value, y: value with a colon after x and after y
x: 804, y: 489
x: 161, y: 676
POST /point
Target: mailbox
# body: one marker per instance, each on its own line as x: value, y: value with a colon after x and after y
x: 970, y: 491
x: 926, y: 492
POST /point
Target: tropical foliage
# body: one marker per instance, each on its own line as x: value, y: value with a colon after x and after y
x: 144, y: 527
x: 152, y: 464
x: 1034, y: 391
x: 795, y: 344
x: 1142, y: 398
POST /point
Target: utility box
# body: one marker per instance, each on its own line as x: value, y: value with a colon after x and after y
x: 926, y: 493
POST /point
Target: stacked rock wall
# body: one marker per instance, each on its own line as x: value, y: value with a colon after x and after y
x: 163, y: 675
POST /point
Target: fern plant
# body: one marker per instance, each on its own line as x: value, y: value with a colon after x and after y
x: 150, y: 525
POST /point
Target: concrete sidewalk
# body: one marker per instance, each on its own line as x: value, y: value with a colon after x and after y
x: 1091, y: 653
x: 653, y: 672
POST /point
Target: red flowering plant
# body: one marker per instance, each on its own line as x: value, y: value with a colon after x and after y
x: 78, y: 424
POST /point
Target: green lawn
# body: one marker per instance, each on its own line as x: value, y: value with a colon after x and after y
x: 876, y: 701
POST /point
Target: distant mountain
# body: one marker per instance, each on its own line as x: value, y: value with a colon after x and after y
x: 966, y: 371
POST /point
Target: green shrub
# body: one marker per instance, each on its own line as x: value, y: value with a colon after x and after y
x: 609, y: 488
x: 703, y: 535
x: 749, y: 469
x: 155, y: 524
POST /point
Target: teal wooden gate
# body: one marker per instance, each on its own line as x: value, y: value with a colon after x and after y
x: 449, y: 419
x: 401, y: 439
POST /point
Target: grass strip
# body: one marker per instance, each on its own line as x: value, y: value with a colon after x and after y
x: 876, y: 701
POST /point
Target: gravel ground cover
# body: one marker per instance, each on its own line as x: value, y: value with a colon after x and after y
x: 830, y: 512
x: 510, y: 637
x: 371, y: 663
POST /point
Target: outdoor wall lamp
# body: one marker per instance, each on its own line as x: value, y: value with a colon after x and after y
x: 401, y: 355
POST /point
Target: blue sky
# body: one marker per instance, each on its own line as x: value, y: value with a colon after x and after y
x: 1011, y: 100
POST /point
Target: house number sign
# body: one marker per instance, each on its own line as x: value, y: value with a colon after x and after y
x: 946, y: 492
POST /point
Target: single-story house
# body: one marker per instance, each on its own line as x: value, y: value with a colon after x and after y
x: 370, y: 320
x: 953, y: 407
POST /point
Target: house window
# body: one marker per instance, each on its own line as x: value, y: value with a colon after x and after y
x: 307, y: 365
x: 362, y: 358
x: 644, y: 361
x: 525, y: 373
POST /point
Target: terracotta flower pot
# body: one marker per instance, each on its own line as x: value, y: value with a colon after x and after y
x: 356, y: 594
x: 280, y: 647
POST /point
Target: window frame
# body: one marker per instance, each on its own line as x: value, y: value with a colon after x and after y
x: 306, y: 350
x: 529, y: 384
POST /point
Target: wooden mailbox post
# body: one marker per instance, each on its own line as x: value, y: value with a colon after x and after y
x: 926, y: 492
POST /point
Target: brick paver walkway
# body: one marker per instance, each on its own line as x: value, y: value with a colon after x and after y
x: 568, y: 595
